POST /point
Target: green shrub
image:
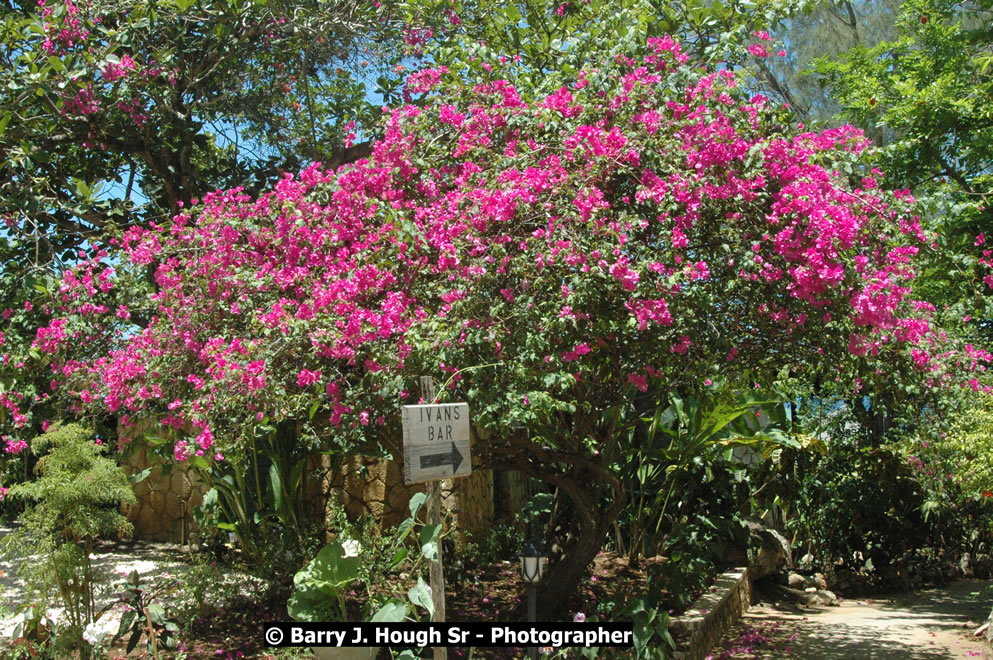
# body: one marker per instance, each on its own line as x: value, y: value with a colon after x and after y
x: 74, y: 501
x: 956, y: 474
x: 860, y: 506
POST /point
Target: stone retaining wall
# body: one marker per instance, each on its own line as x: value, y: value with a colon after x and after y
x: 367, y: 485
x: 375, y: 486
x: 711, y: 615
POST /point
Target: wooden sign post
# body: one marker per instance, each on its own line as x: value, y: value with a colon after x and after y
x: 435, y: 447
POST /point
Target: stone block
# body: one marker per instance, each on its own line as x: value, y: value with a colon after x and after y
x: 397, y: 499
x: 773, y: 549
x: 354, y: 487
x: 355, y: 509
x: 173, y: 506
x: 376, y: 508
x: 179, y: 483
x: 374, y: 491
x: 148, y: 522
x: 142, y: 488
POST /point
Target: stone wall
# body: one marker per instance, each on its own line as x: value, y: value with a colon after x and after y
x: 470, y: 499
x: 164, y: 510
x: 510, y: 494
x: 363, y: 485
x: 373, y: 486
x: 711, y: 615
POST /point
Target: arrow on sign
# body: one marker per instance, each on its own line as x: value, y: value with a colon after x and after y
x: 453, y: 458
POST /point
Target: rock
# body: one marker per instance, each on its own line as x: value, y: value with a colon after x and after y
x: 982, y: 566
x: 819, y: 598
x: 820, y: 581
x: 965, y: 565
x: 810, y: 598
x: 773, y: 550
x: 890, y: 574
x: 796, y: 581
x: 844, y: 580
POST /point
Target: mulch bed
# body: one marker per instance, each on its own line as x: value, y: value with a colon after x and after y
x: 496, y: 593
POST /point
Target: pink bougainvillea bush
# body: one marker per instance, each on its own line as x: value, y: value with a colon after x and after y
x: 546, y: 254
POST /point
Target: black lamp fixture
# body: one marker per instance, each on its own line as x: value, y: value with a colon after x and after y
x: 532, y: 570
x: 532, y: 561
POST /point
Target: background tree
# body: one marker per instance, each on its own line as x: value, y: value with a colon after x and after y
x: 929, y: 90
x: 115, y: 113
x: 545, y: 37
x: 822, y: 29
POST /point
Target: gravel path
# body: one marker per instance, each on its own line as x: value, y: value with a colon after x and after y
x: 153, y: 561
x: 927, y: 625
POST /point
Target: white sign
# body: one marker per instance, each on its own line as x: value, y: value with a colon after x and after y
x: 436, y: 442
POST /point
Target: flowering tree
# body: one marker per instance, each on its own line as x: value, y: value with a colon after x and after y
x: 160, y: 102
x: 113, y: 112
x: 640, y: 225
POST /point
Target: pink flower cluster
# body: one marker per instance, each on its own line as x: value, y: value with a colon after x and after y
x: 119, y: 69
x: 70, y: 33
x: 425, y: 80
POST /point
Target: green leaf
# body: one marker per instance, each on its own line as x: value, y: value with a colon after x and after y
x: 277, y: 492
x: 420, y: 595
x: 333, y: 567
x: 309, y: 602
x: 393, y: 611
x: 126, y: 620
x: 56, y: 63
x: 138, y: 477
x: 429, y: 532
x: 642, y: 632
x: 398, y: 557
x: 156, y: 613
x: 135, y: 638
x: 416, y: 501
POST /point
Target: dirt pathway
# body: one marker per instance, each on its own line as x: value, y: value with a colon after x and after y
x: 926, y: 625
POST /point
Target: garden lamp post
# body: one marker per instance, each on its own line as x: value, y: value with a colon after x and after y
x: 532, y: 570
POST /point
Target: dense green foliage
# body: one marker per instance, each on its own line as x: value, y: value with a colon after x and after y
x: 74, y: 501
x: 929, y: 90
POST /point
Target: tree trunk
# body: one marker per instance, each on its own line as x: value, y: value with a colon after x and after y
x: 563, y: 577
x: 592, y: 520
